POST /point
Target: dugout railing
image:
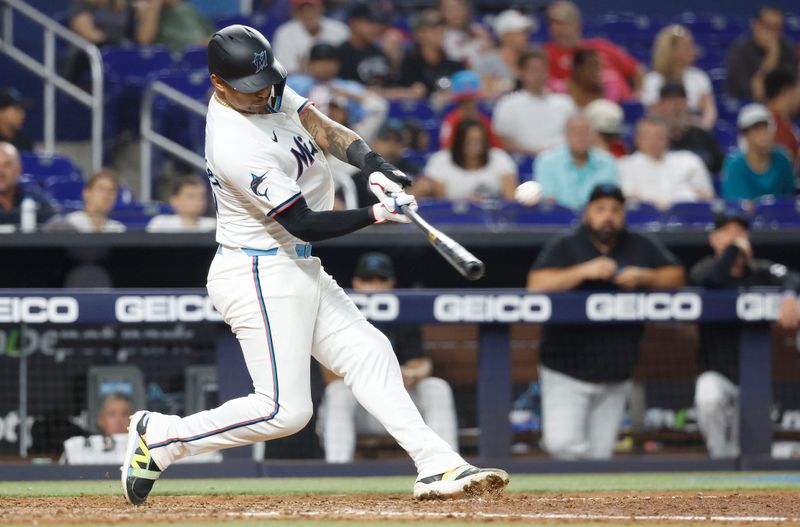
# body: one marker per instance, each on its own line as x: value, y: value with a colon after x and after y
x: 492, y: 311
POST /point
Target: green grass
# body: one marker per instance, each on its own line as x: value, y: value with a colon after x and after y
x: 696, y: 481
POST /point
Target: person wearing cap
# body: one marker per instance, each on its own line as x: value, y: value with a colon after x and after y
x: 655, y: 175
x: 342, y: 418
x: 732, y: 266
x: 585, y: 371
x: 607, y: 119
x: 464, y: 40
x: 294, y: 38
x: 426, y: 69
x: 361, y: 56
x: 674, y: 53
x: 499, y: 68
x: 761, y: 168
x: 466, y: 91
x: 12, y: 191
x: 782, y: 91
x: 753, y: 55
x: 532, y: 119
x: 174, y: 24
x: 684, y: 134
x: 568, y: 173
x: 619, y: 68
x: 12, y: 117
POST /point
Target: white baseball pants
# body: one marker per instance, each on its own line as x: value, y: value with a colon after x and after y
x: 342, y: 418
x: 580, y: 420
x: 284, y: 308
x: 717, y: 402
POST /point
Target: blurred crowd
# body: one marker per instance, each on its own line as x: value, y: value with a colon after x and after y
x: 511, y: 100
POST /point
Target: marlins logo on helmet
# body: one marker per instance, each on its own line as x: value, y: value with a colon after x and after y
x: 260, y: 60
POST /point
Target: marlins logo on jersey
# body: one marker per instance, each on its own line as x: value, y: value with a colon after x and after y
x: 256, y: 184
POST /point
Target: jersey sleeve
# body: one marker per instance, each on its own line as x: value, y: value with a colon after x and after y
x: 293, y: 103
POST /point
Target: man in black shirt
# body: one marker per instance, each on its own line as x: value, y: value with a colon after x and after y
x: 360, y: 57
x: 12, y: 192
x: 342, y: 418
x: 731, y: 267
x: 684, y: 134
x: 426, y: 69
x: 12, y: 117
x: 585, y: 371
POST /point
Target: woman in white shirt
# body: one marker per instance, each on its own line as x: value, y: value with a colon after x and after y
x: 470, y: 169
x: 674, y: 54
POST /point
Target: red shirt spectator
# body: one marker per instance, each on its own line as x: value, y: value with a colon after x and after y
x: 787, y: 135
x: 466, y: 90
x: 621, y: 73
x: 781, y: 90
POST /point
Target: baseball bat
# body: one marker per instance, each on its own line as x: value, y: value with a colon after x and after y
x: 464, y: 261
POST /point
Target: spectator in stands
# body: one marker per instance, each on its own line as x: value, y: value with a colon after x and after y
x: 568, y: 173
x: 753, y: 55
x: 107, y: 447
x: 361, y: 57
x: 732, y: 267
x: 532, y: 119
x: 102, y: 22
x: 341, y: 416
x: 657, y: 176
x: 584, y: 85
x: 674, y: 54
x: 621, y: 73
x: 499, y: 68
x: 464, y: 40
x: 470, y: 168
x: 99, y: 197
x: 673, y: 107
x: 761, y: 169
x: 12, y: 192
x: 426, y: 69
x: 12, y: 117
x: 466, y: 91
x: 172, y: 23
x: 782, y: 92
x: 607, y: 119
x: 364, y: 111
x: 585, y: 371
x: 188, y: 200
x: 294, y: 38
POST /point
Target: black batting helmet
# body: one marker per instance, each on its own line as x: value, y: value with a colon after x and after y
x: 243, y: 58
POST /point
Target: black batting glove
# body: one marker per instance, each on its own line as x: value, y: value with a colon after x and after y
x: 374, y: 162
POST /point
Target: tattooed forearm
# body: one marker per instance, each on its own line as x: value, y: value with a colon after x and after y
x: 328, y: 134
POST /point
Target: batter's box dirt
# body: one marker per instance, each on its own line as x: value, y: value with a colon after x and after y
x: 716, y: 508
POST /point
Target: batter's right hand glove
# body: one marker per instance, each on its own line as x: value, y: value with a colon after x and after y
x: 374, y: 162
x: 391, y: 198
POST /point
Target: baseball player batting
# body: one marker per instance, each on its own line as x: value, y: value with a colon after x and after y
x: 273, y: 191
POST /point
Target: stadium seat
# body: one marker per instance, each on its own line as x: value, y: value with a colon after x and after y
x: 642, y: 215
x: 41, y: 168
x: 541, y: 214
x: 699, y: 215
x: 453, y: 212
x: 524, y: 167
x: 772, y: 213
x: 194, y: 58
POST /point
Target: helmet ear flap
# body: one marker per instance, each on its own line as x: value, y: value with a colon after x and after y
x: 276, y: 97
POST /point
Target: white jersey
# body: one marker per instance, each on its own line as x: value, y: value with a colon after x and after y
x: 259, y: 165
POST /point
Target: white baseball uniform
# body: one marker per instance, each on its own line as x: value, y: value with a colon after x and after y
x: 281, y: 304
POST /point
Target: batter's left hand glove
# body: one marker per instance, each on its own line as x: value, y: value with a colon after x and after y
x: 374, y: 162
x: 391, y: 197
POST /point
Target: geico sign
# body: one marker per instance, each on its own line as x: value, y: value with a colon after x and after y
x: 492, y: 308
x: 38, y: 309
x: 758, y: 306
x: 380, y: 307
x: 643, y: 306
x: 183, y: 308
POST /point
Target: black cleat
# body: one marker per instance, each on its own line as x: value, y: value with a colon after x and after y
x: 139, y: 471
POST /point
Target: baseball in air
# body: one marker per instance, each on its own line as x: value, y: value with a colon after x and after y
x: 528, y: 193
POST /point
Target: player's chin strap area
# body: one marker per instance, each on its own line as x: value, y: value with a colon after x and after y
x: 276, y: 97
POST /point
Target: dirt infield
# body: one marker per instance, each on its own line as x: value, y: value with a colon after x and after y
x: 717, y: 508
